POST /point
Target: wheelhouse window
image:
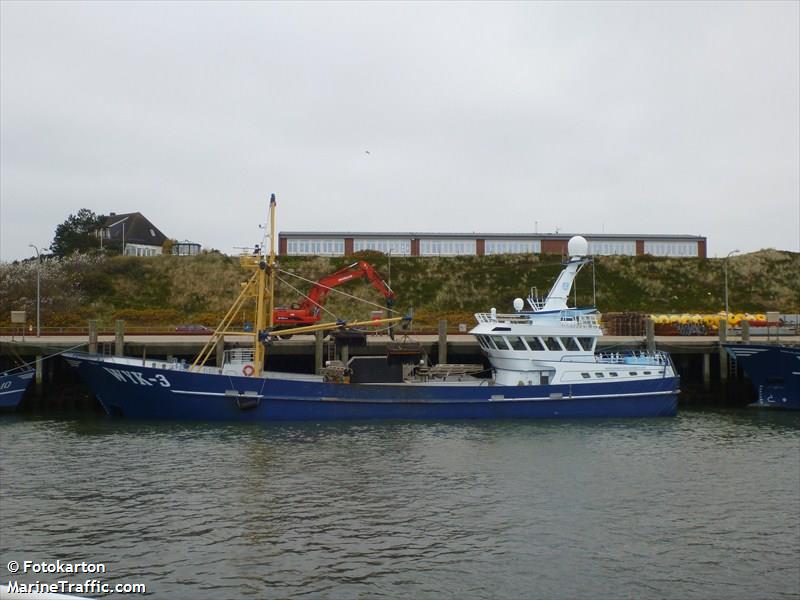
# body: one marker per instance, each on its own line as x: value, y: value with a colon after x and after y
x: 490, y: 343
x: 552, y: 344
x: 570, y: 344
x: 502, y: 343
x: 534, y: 343
x: 587, y: 343
x: 516, y: 343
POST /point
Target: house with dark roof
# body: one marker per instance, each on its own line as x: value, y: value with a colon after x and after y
x: 134, y: 233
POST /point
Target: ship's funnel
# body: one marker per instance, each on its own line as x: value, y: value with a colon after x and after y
x: 578, y: 246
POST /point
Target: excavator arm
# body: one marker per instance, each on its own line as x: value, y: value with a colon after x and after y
x: 308, y: 311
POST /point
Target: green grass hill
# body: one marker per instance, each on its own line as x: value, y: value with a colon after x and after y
x: 173, y: 290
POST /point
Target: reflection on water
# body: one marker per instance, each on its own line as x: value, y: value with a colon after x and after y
x: 705, y: 505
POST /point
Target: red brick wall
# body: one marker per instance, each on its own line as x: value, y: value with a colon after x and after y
x: 414, y: 247
x: 282, y: 246
x: 554, y: 246
x: 480, y: 247
x: 639, y: 247
x: 701, y: 249
x: 348, y: 246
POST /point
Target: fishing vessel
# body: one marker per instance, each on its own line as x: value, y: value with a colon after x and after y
x: 543, y: 361
x: 13, y: 384
x: 774, y: 372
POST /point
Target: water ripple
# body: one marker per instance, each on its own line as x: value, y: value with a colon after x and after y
x: 706, y: 505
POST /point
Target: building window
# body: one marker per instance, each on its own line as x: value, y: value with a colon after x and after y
x: 398, y: 247
x: 512, y: 247
x: 447, y: 247
x: 612, y: 247
x: 670, y: 248
x: 316, y: 247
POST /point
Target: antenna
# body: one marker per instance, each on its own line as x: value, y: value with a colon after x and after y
x: 575, y: 290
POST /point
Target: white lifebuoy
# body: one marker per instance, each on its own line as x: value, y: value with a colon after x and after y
x: 248, y: 370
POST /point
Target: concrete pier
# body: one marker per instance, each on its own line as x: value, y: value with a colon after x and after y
x: 442, y: 341
x: 39, y: 374
x: 93, y: 336
x: 307, y: 352
x: 650, y: 334
x: 318, y: 347
x: 119, y: 338
x: 723, y: 355
x: 220, y: 351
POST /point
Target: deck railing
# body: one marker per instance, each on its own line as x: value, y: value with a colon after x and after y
x: 634, y: 358
x: 565, y: 319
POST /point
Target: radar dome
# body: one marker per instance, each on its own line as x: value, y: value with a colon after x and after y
x: 578, y: 246
x: 519, y: 304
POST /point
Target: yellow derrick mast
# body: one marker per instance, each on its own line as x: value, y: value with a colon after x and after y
x: 261, y: 286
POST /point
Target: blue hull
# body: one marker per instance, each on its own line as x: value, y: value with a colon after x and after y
x: 142, y: 392
x: 774, y: 371
x: 12, y: 388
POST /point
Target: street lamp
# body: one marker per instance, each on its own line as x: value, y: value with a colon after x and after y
x: 726, y: 281
x: 389, y: 281
x: 38, y: 287
x: 123, y: 232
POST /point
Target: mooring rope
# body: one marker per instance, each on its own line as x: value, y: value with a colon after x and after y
x: 30, y: 365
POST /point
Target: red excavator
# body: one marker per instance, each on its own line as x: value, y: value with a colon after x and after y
x: 309, y: 311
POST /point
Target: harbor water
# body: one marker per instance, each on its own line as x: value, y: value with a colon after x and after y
x: 705, y: 505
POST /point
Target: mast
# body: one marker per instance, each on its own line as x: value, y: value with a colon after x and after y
x: 578, y: 250
x: 266, y: 294
x: 261, y: 286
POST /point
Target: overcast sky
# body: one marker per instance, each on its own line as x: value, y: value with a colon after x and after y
x: 675, y: 118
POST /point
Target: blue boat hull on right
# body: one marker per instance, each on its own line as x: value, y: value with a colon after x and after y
x: 774, y: 371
